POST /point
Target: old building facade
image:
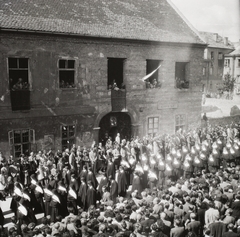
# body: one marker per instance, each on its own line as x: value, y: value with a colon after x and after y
x: 57, y: 86
x: 232, y: 66
x: 214, y: 54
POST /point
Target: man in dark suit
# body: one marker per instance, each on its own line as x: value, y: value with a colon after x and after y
x: 82, y: 194
x: 236, y: 207
x: 194, y: 225
x: 230, y: 232
x: 178, y: 210
x: 91, y: 197
x: 169, y: 213
x: 177, y: 230
x: 148, y: 221
x: 217, y: 228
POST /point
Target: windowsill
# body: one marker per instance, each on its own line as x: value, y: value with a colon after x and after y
x: 156, y: 88
x: 182, y: 89
x: 116, y: 90
x: 68, y: 89
x: 21, y: 90
x: 21, y: 111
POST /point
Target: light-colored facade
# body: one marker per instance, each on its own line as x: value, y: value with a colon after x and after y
x: 232, y: 66
x: 214, y: 54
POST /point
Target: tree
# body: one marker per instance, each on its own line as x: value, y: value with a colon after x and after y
x: 228, y: 83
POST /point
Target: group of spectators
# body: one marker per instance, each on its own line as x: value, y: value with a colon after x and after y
x: 154, y: 83
x: 182, y: 83
x: 66, y: 84
x: 20, y: 85
x: 179, y: 185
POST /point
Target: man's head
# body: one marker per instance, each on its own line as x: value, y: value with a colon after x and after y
x: 230, y: 227
x: 193, y: 216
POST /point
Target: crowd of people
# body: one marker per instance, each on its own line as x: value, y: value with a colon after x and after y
x: 179, y: 185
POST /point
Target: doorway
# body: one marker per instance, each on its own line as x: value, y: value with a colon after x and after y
x: 113, y: 123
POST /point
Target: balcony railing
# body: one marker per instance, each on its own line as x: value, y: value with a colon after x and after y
x: 20, y: 100
x: 118, y: 100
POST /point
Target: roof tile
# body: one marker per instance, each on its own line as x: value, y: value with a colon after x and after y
x: 154, y: 20
x: 216, y: 43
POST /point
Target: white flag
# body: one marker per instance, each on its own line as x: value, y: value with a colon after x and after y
x: 150, y: 74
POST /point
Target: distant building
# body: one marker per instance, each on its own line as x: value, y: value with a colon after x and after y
x: 70, y: 72
x: 232, y: 65
x: 214, y: 55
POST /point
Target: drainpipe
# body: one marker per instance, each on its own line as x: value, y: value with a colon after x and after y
x: 233, y: 68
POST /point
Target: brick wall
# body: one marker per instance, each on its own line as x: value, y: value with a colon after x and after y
x: 91, y: 69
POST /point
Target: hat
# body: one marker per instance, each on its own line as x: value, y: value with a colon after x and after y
x: 100, y: 218
x: 126, y: 216
x: 24, y: 227
x: 31, y: 225
x: 84, y: 215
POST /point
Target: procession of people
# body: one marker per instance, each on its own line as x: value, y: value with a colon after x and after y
x: 186, y: 184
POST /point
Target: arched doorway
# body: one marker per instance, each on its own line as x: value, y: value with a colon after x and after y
x: 113, y: 123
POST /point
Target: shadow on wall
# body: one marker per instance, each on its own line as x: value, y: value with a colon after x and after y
x: 209, y: 108
x: 224, y: 120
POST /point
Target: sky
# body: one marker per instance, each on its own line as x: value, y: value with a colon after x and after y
x: 217, y: 16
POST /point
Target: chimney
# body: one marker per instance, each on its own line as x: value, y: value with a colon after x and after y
x: 207, y: 40
x: 215, y: 36
x: 225, y: 41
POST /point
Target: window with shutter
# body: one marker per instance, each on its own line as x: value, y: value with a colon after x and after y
x: 21, y: 141
x: 180, y: 122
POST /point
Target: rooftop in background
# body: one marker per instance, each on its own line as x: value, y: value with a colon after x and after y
x: 236, y: 44
x: 214, y: 40
x: 236, y: 52
x: 153, y: 20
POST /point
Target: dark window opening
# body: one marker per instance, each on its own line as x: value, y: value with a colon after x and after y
x: 212, y: 55
x: 19, y: 83
x: 181, y: 75
x: 115, y: 73
x: 21, y: 141
x: 18, y: 74
x: 66, y: 73
x: 153, y: 80
x: 227, y: 63
x: 68, y: 136
x: 220, y: 56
